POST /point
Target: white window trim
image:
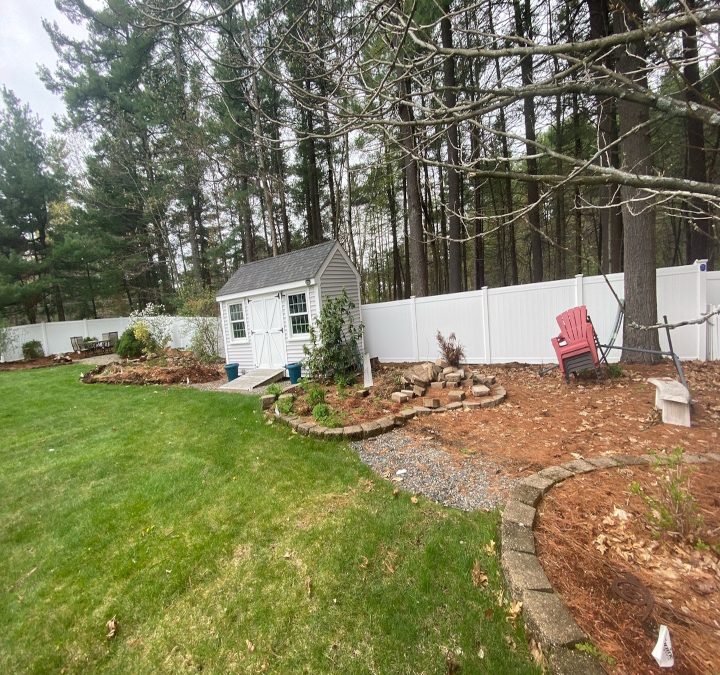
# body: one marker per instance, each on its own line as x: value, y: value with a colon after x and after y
x: 233, y: 339
x: 297, y: 337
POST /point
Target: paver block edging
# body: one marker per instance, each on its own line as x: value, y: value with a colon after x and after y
x: 546, y: 616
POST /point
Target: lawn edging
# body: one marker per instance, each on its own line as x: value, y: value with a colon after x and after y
x: 375, y: 427
x: 547, y: 618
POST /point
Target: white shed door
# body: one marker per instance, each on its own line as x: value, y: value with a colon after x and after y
x: 268, y: 337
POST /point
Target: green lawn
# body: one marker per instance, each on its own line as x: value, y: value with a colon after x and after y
x: 221, y: 543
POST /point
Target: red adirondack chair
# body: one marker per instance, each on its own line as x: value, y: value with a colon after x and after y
x: 576, y: 346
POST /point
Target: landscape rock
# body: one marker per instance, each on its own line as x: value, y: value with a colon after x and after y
x: 456, y: 396
x: 410, y: 393
x: 399, y: 397
x: 479, y: 390
x: 422, y: 374
x: 452, y: 385
x: 549, y: 620
x: 431, y: 402
x: 418, y: 390
x: 362, y: 393
x: 437, y: 385
x: 353, y: 433
x: 487, y: 380
x: 524, y: 573
x: 453, y: 377
x: 453, y: 406
x: 267, y: 401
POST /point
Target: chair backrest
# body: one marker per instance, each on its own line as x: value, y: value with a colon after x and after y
x: 106, y: 337
x: 113, y: 337
x: 76, y: 343
x: 575, y: 325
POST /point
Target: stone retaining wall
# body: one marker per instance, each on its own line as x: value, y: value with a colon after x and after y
x: 547, y: 618
x: 383, y: 424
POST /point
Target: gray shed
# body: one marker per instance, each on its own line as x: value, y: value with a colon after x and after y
x: 268, y: 306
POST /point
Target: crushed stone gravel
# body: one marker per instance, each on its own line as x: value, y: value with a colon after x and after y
x: 468, y: 485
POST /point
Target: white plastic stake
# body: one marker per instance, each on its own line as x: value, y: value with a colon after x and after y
x: 663, y: 652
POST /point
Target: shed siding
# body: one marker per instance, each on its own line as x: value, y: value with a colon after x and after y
x: 339, y: 275
x: 294, y: 348
x: 236, y: 352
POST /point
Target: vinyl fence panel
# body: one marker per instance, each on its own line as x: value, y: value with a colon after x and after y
x: 516, y: 323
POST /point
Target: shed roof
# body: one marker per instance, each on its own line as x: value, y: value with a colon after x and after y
x: 298, y: 265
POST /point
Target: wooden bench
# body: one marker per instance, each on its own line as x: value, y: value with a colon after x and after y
x: 673, y: 399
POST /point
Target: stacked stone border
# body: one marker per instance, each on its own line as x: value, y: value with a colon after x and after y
x: 547, y: 619
x: 385, y: 423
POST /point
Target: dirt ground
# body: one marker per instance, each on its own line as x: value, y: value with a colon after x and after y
x: 176, y: 367
x: 545, y: 421
x: 593, y: 531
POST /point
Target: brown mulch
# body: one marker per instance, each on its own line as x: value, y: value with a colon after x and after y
x: 545, y: 421
x: 592, y: 530
x: 175, y: 368
x: 44, y: 362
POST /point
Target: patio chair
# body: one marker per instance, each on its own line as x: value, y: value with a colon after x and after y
x: 78, y: 344
x: 576, y: 346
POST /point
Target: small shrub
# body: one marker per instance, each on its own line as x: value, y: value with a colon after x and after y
x: 274, y: 389
x: 326, y: 416
x: 451, y: 350
x: 344, y: 380
x: 315, y: 395
x: 128, y: 346
x: 675, y: 511
x: 204, y: 341
x: 32, y: 350
x: 334, y: 341
x: 152, y: 327
x: 614, y: 370
x: 285, y: 405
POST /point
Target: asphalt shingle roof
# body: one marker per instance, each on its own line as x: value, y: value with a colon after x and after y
x: 298, y: 265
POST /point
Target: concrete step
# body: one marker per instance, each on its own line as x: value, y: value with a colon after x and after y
x: 254, y: 379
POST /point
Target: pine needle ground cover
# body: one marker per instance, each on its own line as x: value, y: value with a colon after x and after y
x: 199, y: 537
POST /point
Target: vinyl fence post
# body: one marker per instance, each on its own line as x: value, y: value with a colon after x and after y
x: 579, y: 295
x: 414, y: 329
x: 702, y: 308
x: 486, y: 324
x: 43, y: 331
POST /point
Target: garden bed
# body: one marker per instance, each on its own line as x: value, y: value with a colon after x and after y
x: 593, y: 531
x: 175, y: 367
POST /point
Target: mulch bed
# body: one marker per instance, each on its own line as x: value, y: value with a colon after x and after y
x: 592, y: 531
x: 175, y: 368
x: 44, y: 362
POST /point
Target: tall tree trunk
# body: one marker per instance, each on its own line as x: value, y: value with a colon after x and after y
x: 479, y: 277
x: 418, y: 266
x: 638, y: 214
x: 523, y: 28
x: 247, y: 224
x: 698, y: 215
x: 450, y: 100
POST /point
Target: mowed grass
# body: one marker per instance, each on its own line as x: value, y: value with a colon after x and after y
x: 221, y: 543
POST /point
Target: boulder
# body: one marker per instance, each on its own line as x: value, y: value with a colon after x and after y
x: 422, y: 374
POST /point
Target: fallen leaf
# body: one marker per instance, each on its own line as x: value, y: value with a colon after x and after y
x: 414, y: 499
x: 250, y: 646
x: 112, y: 628
x: 489, y: 548
x: 514, y: 609
x: 479, y: 578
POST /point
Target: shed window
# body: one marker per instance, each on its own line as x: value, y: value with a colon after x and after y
x: 237, y: 322
x: 299, y: 318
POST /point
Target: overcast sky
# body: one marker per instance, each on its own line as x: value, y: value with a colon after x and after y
x: 23, y: 46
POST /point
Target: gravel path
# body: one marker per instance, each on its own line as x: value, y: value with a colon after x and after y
x: 463, y: 483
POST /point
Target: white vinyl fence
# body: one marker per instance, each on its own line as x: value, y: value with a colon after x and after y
x: 55, y: 336
x: 515, y: 323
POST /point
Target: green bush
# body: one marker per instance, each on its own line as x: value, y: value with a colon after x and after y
x: 128, y: 346
x: 32, y: 350
x: 285, y: 405
x: 326, y: 416
x: 334, y: 341
x: 315, y: 395
x: 275, y: 389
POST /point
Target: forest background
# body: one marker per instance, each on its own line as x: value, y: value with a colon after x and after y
x: 446, y: 145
